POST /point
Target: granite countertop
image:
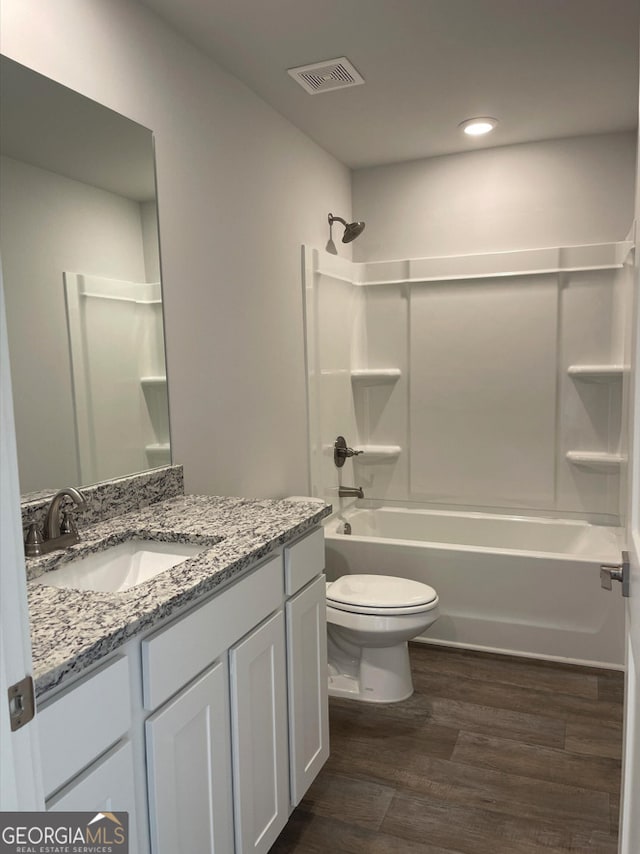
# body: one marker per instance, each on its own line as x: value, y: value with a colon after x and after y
x: 71, y: 629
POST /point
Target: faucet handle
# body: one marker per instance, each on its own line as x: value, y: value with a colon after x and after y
x: 68, y: 524
x: 341, y: 451
x: 33, y: 541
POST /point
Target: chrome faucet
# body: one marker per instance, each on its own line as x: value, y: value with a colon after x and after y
x: 55, y: 535
x: 350, y: 492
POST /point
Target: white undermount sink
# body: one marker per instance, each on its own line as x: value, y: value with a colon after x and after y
x: 120, y: 567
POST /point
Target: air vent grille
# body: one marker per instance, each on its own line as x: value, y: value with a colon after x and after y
x: 326, y: 76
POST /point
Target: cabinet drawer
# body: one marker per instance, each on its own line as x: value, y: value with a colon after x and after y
x: 79, y: 724
x: 303, y: 561
x: 106, y: 786
x: 175, y: 655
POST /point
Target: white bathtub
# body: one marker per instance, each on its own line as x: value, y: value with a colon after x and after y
x: 518, y: 585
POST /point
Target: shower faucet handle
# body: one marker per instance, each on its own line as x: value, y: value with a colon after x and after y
x: 341, y: 451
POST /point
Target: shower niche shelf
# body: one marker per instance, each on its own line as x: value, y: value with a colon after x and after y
x: 597, y: 373
x: 608, y: 376
x: 154, y: 389
x: 375, y: 376
x: 158, y: 454
x: 599, y: 460
x: 377, y: 454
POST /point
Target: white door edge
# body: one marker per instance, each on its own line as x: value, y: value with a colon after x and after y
x: 20, y: 775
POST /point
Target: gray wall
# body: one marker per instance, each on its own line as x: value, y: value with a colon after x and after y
x: 239, y: 190
x: 50, y: 224
x: 555, y: 193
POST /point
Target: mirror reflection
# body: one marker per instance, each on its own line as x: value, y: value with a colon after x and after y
x: 81, y: 270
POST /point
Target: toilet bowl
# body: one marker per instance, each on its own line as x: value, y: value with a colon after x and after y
x: 370, y: 619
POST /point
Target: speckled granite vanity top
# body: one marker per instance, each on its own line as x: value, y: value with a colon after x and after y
x: 71, y: 629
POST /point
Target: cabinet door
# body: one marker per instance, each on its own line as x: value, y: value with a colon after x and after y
x: 308, y: 685
x: 189, y: 769
x: 106, y: 786
x: 259, y: 736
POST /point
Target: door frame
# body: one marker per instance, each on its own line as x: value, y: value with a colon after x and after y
x: 20, y: 772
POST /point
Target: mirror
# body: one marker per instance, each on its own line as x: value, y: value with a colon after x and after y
x: 80, y: 260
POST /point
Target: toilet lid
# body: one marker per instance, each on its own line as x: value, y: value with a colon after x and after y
x: 382, y: 592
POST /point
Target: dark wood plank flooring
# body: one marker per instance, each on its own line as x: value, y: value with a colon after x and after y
x: 491, y: 755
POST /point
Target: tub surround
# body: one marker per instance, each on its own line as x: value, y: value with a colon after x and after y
x: 71, y: 629
x: 407, y: 359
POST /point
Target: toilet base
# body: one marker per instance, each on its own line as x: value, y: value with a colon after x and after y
x: 377, y: 675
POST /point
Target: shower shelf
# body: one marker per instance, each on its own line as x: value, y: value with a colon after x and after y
x: 158, y: 454
x: 596, y: 459
x: 597, y: 373
x: 377, y: 453
x: 153, y: 380
x: 375, y: 376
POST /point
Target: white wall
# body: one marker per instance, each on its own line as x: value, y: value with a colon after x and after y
x: 51, y: 224
x: 554, y: 193
x: 239, y: 190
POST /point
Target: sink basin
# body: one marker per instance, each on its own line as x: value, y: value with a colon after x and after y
x: 120, y: 567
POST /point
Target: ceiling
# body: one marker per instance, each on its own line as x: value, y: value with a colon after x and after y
x: 544, y: 68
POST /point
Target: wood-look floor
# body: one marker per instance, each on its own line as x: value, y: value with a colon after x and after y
x: 491, y: 755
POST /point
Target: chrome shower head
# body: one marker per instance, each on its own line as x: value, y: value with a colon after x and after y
x: 351, y: 229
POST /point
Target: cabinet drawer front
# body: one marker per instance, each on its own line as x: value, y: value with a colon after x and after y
x: 106, y: 786
x: 79, y: 724
x: 303, y: 561
x: 176, y: 655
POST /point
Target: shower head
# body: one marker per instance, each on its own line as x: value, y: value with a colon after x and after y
x: 351, y: 229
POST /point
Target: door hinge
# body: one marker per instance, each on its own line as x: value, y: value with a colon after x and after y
x: 22, y: 705
x: 616, y: 572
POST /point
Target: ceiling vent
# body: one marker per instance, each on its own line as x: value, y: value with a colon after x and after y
x: 326, y: 76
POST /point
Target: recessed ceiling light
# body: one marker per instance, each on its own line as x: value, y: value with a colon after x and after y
x: 478, y: 126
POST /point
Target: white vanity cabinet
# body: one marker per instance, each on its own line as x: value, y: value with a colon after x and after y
x: 87, y: 756
x: 307, y: 670
x: 259, y: 736
x: 216, y: 722
x: 188, y: 737
x: 106, y: 786
x: 308, y: 684
x: 189, y: 768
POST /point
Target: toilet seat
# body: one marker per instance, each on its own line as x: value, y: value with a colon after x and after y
x: 380, y: 595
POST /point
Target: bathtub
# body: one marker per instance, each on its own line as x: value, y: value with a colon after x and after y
x: 510, y: 584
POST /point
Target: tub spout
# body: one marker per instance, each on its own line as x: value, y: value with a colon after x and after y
x: 350, y: 492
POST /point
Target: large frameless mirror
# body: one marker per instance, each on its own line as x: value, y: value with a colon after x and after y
x: 80, y: 262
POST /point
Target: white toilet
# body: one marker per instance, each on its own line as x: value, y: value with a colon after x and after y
x: 370, y: 618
